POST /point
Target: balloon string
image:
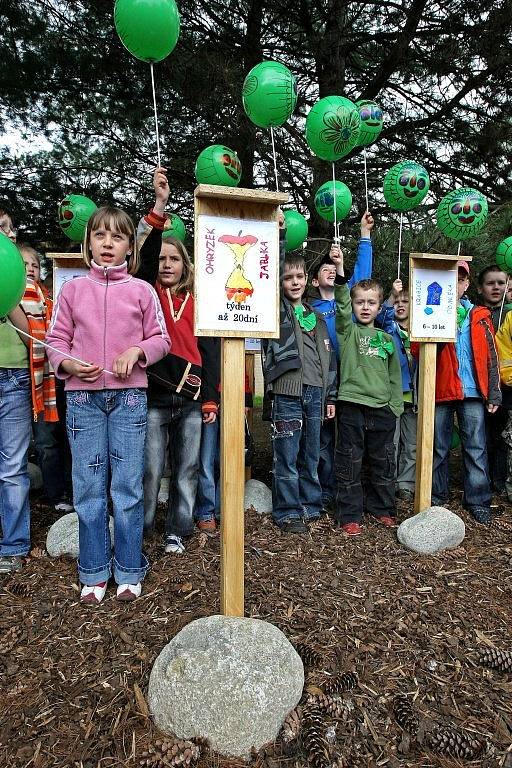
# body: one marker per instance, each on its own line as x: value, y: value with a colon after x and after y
x: 503, y: 301
x: 156, y: 115
x: 48, y: 346
x: 274, y: 157
x: 365, y: 179
x: 400, y: 245
x: 458, y: 248
x: 336, y: 234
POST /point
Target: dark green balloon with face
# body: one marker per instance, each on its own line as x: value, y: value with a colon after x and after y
x: 324, y: 200
x: 406, y: 185
x: 504, y: 255
x: 74, y: 213
x: 269, y: 94
x: 371, y: 122
x: 218, y: 165
x: 462, y: 213
x: 174, y: 227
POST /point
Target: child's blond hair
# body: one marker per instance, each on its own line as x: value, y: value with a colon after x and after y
x: 113, y: 220
x: 186, y: 282
x: 368, y: 285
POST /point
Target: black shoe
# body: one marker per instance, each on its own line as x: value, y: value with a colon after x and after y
x: 482, y: 515
x: 293, y: 526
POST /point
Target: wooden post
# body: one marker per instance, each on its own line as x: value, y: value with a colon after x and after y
x: 232, y: 471
x: 426, y: 413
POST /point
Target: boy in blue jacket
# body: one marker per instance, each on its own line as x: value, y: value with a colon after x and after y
x: 321, y: 298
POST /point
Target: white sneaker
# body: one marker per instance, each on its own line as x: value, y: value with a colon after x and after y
x: 64, y: 506
x: 129, y: 592
x: 174, y: 545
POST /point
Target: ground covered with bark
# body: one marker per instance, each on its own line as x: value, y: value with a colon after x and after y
x: 73, y: 678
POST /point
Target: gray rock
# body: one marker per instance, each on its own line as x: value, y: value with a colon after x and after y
x: 258, y: 496
x: 35, y: 477
x: 62, y: 538
x: 433, y: 530
x: 230, y: 680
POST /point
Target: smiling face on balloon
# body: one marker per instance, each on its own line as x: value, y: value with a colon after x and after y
x: 462, y: 213
x: 74, y: 213
x: 406, y: 185
x: 371, y: 122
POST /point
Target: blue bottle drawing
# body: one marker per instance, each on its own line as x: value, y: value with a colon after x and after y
x: 434, y: 291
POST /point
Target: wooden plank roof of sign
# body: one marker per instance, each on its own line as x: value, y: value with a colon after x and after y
x: 246, y: 195
x: 441, y: 256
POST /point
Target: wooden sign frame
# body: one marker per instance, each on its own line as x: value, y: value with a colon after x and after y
x: 252, y: 205
x: 439, y: 263
x: 427, y: 381
x: 248, y: 205
x: 66, y: 260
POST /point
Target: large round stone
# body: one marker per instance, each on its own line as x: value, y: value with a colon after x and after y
x: 432, y: 530
x: 258, y: 496
x: 230, y: 680
x: 62, y: 538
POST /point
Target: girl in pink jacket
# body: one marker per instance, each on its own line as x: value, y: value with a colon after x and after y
x: 113, y: 322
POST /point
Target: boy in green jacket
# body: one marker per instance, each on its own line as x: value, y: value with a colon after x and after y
x: 369, y: 401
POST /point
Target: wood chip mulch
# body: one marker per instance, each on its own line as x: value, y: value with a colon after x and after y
x: 73, y: 678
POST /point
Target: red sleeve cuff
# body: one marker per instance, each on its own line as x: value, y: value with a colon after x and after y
x: 209, y: 407
x: 155, y: 220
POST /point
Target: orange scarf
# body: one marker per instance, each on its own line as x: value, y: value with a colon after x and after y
x: 37, y: 306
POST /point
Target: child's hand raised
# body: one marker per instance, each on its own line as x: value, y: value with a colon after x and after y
x: 280, y: 219
x: 336, y: 256
x: 367, y: 223
x: 396, y: 289
x: 162, y: 190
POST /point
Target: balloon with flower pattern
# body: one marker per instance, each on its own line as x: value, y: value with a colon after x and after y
x: 332, y: 127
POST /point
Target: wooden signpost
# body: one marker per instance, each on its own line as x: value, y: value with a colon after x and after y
x: 236, y: 247
x: 433, y: 320
x: 66, y: 266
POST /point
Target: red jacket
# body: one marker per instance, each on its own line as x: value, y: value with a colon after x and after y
x: 485, y: 362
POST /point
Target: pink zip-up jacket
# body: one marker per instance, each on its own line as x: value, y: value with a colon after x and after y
x: 98, y: 317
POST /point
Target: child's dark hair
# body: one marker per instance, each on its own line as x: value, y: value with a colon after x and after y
x: 113, y: 220
x: 186, y: 282
x: 295, y: 260
x: 483, y: 274
x: 368, y: 285
x: 322, y: 262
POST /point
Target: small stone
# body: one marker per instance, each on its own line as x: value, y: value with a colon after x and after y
x: 433, y: 530
x: 258, y: 496
x: 62, y: 538
x: 229, y: 680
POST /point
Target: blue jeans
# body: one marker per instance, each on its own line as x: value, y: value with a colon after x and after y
x: 471, y: 421
x: 107, y: 431
x: 326, y: 464
x: 181, y: 423
x: 208, y: 486
x: 296, y: 425
x: 15, y: 429
x: 48, y: 441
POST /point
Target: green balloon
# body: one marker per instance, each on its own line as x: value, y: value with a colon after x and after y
x: 74, y: 213
x: 296, y: 230
x: 371, y: 122
x: 174, y: 227
x: 149, y: 29
x: 269, y: 94
x: 332, y: 127
x: 324, y: 200
x: 12, y: 275
x: 406, y: 184
x: 462, y: 213
x: 504, y: 255
x: 218, y: 165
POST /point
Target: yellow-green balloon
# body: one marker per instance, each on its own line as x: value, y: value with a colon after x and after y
x: 371, y: 122
x: 218, y: 164
x: 324, y: 200
x: 12, y: 275
x: 406, y: 184
x: 269, y: 94
x: 174, y: 227
x: 74, y: 213
x: 504, y: 255
x: 296, y: 229
x: 332, y: 127
x: 149, y: 29
x: 462, y: 213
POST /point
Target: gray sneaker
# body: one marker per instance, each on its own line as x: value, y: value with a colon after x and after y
x: 10, y: 563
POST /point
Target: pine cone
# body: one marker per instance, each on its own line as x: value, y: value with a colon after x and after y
x: 313, y: 739
x: 453, y: 743
x: 291, y: 726
x: 327, y: 704
x: 9, y: 640
x: 310, y: 657
x: 501, y: 525
x: 346, y: 681
x: 496, y: 659
x: 170, y: 753
x: 405, y: 715
x: 19, y: 588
